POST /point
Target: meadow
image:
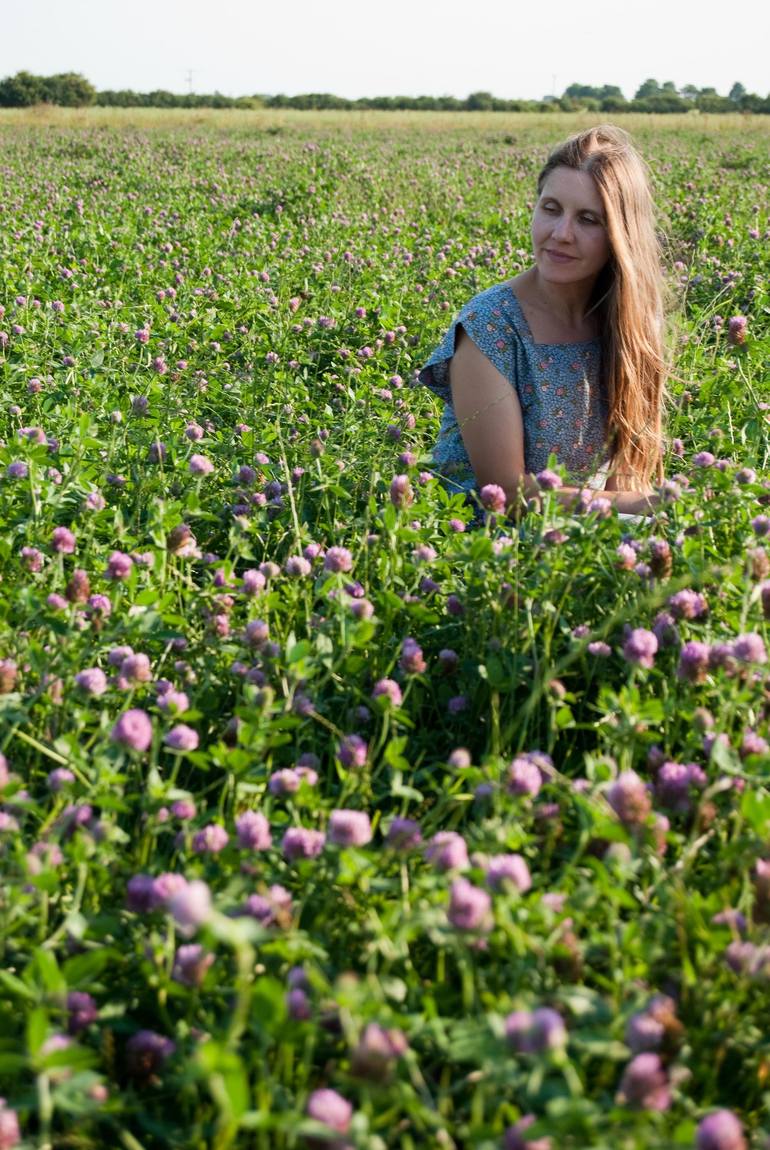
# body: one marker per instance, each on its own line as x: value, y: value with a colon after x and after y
x: 328, y: 820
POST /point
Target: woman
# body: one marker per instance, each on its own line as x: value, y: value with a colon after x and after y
x: 567, y: 357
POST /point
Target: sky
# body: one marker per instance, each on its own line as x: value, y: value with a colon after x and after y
x: 356, y: 48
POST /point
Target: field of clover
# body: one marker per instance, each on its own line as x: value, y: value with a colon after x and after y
x: 327, y: 819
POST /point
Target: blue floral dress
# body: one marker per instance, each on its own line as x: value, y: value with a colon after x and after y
x: 563, y: 404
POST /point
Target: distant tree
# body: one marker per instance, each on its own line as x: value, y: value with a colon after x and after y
x: 750, y: 102
x: 662, y: 103
x: 588, y: 96
x: 74, y: 90
x: 480, y: 102
x: 21, y: 91
x: 578, y: 92
x: 647, y: 89
x: 590, y: 92
x: 614, y: 104
x: 709, y: 101
x: 69, y: 90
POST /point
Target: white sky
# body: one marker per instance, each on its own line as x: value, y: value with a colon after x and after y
x: 412, y: 47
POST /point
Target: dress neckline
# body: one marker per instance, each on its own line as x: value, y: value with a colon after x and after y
x: 527, y: 331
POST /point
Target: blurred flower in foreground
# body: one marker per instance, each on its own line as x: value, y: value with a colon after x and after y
x: 720, y: 1131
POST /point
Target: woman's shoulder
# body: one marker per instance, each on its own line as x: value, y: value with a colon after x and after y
x: 496, y: 300
x: 490, y: 319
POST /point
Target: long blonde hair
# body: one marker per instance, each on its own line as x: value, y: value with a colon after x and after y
x: 628, y: 298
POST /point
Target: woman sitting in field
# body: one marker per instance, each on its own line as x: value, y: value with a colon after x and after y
x: 567, y: 357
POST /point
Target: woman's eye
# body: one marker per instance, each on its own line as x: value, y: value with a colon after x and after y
x: 549, y: 207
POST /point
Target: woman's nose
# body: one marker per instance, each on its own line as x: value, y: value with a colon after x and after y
x: 562, y: 228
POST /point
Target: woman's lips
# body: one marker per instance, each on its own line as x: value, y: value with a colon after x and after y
x: 559, y: 257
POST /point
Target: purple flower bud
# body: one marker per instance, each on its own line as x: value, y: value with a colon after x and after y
x: 640, y: 647
x: 191, y: 963
x: 92, y: 681
x: 302, y: 843
x: 338, y: 559
x: 536, y: 1032
x: 330, y: 1108
x: 515, y: 1136
x: 469, y: 907
x: 411, y: 661
x: 147, y: 1051
x: 389, y: 689
x: 256, y: 633
x: 81, y: 1010
x: 688, y: 604
x: 297, y: 566
x: 548, y: 480
x: 183, y: 809
x: 401, y: 494
x: 737, y: 326
x: 376, y: 1051
x: 512, y: 869
x: 253, y: 831
x: 10, y: 1134
x: 270, y: 908
x: 59, y: 778
x: 190, y: 906
x: 753, y: 744
x: 644, y: 1084
x: 493, y: 498
x: 200, y: 465
x: 694, y: 661
x: 353, y: 752
x: 119, y: 565
x: 135, y: 668
x: 447, y: 851
x: 644, y: 1032
x: 674, y: 783
x: 720, y: 1131
x: 349, y: 828
x: 404, y: 834
x: 298, y: 1005
x: 524, y: 777
x: 284, y: 782
x: 140, y: 894
x: 181, y: 738
x: 629, y: 799
x: 518, y: 1031
x: 210, y: 839
x: 173, y: 702
x: 253, y: 582
x: 62, y: 540
x: 133, y: 730
x: 749, y: 648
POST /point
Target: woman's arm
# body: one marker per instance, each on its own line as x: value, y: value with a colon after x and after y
x: 489, y: 417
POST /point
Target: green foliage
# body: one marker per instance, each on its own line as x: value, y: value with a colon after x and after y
x: 206, y: 367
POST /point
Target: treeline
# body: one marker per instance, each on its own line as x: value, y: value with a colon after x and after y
x: 71, y: 90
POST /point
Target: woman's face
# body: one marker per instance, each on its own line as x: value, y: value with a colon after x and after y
x: 569, y: 228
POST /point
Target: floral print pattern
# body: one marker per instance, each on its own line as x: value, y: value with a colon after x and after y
x: 563, y: 405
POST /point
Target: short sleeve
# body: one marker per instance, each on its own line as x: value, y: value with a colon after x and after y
x: 489, y: 324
